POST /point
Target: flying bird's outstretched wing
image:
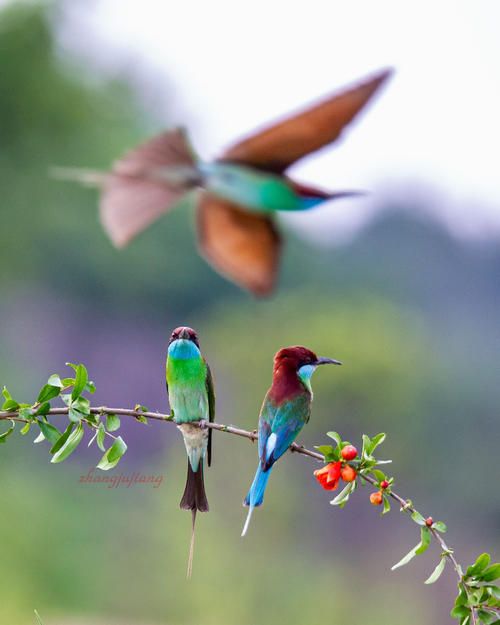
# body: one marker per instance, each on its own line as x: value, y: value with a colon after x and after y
x: 242, y: 245
x: 279, y: 146
x: 132, y: 196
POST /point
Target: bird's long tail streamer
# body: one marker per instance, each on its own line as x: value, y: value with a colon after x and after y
x: 191, y: 548
x: 247, y: 522
x: 89, y: 177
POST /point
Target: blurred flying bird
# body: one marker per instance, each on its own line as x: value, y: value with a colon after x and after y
x: 240, y: 191
x: 192, y: 400
x: 285, y: 411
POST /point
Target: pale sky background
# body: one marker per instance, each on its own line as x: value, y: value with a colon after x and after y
x: 224, y: 67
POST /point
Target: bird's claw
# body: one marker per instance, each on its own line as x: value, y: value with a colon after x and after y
x: 202, y: 424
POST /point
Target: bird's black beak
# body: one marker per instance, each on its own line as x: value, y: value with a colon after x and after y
x: 184, y: 334
x: 327, y: 361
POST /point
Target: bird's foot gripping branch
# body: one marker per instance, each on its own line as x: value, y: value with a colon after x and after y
x: 478, y: 599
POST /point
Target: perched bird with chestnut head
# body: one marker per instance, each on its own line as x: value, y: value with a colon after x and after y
x: 285, y: 411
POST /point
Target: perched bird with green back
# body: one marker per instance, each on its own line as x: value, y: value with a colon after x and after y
x: 192, y: 400
x: 285, y: 411
x: 239, y: 193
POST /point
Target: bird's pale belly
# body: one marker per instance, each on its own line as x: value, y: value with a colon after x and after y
x: 196, y: 441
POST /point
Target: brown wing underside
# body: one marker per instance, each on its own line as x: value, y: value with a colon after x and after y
x: 131, y: 197
x: 279, y: 146
x: 241, y: 245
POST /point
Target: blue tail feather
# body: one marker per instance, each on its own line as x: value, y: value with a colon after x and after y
x: 255, y: 495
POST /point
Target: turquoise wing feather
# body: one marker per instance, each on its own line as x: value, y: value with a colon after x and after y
x: 284, y: 421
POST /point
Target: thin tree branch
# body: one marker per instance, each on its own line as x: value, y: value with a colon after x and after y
x: 300, y: 449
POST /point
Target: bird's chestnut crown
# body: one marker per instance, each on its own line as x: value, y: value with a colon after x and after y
x: 184, y: 332
x: 298, y: 356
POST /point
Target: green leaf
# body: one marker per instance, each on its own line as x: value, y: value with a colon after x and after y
x: 39, y: 438
x: 5, y: 435
x: 486, y: 617
x: 439, y: 526
x: 323, y: 449
x: 494, y: 591
x: 80, y: 382
x: 48, y: 392
x: 378, y: 475
x: 139, y: 407
x: 336, y: 437
x: 343, y: 496
x: 142, y: 419
x: 75, y: 415
x: 68, y: 382
x: 367, y: 444
x: 25, y: 429
x: 90, y: 387
x: 480, y: 564
x: 70, y: 445
x: 55, y: 380
x: 43, y: 409
x: 38, y: 618
x: 10, y: 405
x: 491, y: 573
x: 51, y: 433
x: 462, y: 595
x: 436, y: 573
x: 82, y: 404
x: 101, y: 433
x: 113, y: 455
x: 459, y: 611
x: 112, y: 422
x: 377, y: 440
x: 425, y: 539
x: 409, y: 556
x: 70, y: 364
x: 62, y: 439
x: 387, y: 506
x: 6, y: 393
x: 66, y: 397
x: 418, y: 518
x: 26, y: 412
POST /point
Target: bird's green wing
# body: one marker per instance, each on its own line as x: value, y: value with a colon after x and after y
x: 209, y: 382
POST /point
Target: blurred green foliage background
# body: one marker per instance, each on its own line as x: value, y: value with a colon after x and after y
x: 412, y: 313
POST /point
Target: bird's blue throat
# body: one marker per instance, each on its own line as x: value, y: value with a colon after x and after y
x: 305, y: 372
x: 183, y: 349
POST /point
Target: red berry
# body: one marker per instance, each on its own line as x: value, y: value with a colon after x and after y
x: 349, y: 452
x: 384, y: 484
x: 376, y: 498
x: 348, y: 474
x: 429, y: 521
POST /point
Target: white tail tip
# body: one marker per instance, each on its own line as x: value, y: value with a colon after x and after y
x: 247, y: 522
